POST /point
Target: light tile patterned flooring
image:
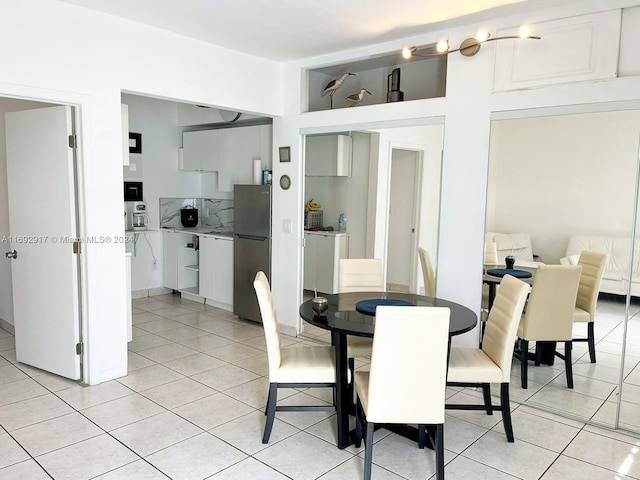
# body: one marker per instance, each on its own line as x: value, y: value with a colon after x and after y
x: 192, y: 408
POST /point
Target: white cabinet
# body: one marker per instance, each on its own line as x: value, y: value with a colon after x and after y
x: 180, y: 262
x: 200, y: 151
x: 216, y: 271
x: 322, y: 254
x: 228, y: 151
x: 328, y: 156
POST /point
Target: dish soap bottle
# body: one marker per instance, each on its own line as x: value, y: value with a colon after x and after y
x: 342, y: 223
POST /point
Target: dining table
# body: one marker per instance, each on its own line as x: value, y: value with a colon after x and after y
x: 354, y: 314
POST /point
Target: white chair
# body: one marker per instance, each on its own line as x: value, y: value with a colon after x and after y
x: 359, y: 275
x: 294, y: 366
x: 479, y: 367
x: 490, y: 253
x: 407, y: 378
x: 549, y: 315
x: 592, y: 264
x: 428, y: 273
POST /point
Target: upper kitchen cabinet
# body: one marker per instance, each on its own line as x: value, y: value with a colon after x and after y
x: 200, y: 151
x: 228, y: 151
x: 418, y: 78
x: 328, y: 156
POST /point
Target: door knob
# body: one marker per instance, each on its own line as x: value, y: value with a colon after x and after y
x: 12, y: 254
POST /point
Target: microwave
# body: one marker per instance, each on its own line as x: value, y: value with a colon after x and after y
x: 132, y: 191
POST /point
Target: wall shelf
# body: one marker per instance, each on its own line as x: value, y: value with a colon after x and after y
x: 420, y: 78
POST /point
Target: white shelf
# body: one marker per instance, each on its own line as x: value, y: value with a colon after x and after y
x: 195, y: 268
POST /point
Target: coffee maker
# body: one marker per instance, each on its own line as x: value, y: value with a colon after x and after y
x: 136, y: 215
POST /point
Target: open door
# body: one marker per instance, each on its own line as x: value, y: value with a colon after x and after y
x: 43, y: 227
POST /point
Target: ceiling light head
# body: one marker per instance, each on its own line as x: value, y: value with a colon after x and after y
x: 442, y: 46
x: 483, y: 35
x: 525, y: 31
x: 407, y: 52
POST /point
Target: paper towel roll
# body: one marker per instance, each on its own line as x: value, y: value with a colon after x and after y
x: 257, y: 172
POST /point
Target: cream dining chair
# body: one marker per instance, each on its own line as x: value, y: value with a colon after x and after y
x: 479, y: 367
x: 398, y: 388
x: 549, y: 315
x: 359, y: 275
x: 296, y: 366
x: 428, y: 273
x: 592, y: 264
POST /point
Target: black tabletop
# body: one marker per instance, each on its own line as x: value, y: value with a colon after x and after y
x: 342, y: 316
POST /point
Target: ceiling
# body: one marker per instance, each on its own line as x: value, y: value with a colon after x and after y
x: 285, y: 30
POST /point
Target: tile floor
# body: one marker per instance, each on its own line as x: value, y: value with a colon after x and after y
x: 192, y: 408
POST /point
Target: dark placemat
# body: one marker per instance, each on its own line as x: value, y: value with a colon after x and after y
x: 368, y: 307
x: 501, y: 272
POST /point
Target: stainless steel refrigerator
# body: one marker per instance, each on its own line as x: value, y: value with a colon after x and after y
x: 251, y: 245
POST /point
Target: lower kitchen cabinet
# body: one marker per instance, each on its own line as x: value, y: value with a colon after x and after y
x: 180, y: 262
x: 322, y: 254
x: 216, y: 270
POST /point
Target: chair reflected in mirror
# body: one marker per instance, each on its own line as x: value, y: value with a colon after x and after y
x: 428, y: 273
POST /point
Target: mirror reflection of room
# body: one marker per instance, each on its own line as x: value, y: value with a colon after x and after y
x: 558, y: 185
x: 371, y: 194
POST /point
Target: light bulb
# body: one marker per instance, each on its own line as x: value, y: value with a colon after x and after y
x: 442, y: 46
x: 408, y: 52
x: 482, y: 35
x: 525, y: 31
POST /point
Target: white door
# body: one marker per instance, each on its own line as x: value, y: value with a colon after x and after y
x: 42, y: 225
x: 402, y: 220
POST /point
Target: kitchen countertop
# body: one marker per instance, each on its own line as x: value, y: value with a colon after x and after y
x: 334, y: 233
x: 204, y: 231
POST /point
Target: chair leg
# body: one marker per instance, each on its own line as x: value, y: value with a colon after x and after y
x: 486, y: 394
x: 439, y: 449
x: 591, y: 340
x: 359, y: 417
x: 368, y: 451
x: 270, y: 411
x: 538, y: 354
x: 568, y: 366
x: 524, y: 354
x: 352, y: 368
x: 506, y: 411
x: 422, y: 435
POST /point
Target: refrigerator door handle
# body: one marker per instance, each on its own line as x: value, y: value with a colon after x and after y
x: 251, y: 237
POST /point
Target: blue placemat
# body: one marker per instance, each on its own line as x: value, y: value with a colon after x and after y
x: 368, y: 307
x: 501, y: 272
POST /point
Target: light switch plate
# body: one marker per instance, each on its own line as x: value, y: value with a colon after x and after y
x: 286, y: 225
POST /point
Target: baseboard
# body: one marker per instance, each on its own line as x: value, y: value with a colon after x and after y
x: 7, y: 327
x: 150, y: 292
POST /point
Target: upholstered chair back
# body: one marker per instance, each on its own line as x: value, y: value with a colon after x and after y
x: 408, y: 365
x: 592, y: 268
x: 502, y: 324
x: 490, y: 253
x: 549, y: 311
x: 428, y: 273
x: 360, y: 275
x: 269, y: 323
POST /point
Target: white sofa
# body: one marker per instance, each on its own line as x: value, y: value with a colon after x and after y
x: 516, y: 244
x: 615, y: 277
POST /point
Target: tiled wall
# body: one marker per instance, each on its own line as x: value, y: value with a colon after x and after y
x: 211, y: 212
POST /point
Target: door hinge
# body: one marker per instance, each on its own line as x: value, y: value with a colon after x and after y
x: 79, y: 349
x: 76, y: 247
x: 73, y: 141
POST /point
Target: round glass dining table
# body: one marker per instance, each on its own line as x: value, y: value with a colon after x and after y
x: 345, y: 315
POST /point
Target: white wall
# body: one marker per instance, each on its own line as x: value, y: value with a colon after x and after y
x: 67, y: 54
x: 6, y: 290
x: 556, y: 176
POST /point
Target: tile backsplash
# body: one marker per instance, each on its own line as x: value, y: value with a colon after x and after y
x: 211, y: 212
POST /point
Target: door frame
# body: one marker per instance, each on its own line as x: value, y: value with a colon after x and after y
x: 417, y: 192
x: 81, y: 107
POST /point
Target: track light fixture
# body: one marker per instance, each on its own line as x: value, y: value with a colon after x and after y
x: 468, y: 47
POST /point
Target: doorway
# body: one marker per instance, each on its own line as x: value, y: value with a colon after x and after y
x: 47, y: 332
x: 404, y: 194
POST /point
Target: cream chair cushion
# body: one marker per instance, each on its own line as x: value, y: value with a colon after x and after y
x: 296, y: 363
x: 551, y: 303
x: 360, y: 275
x: 490, y: 253
x: 407, y: 377
x: 428, y: 273
x: 492, y: 363
x: 592, y: 269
